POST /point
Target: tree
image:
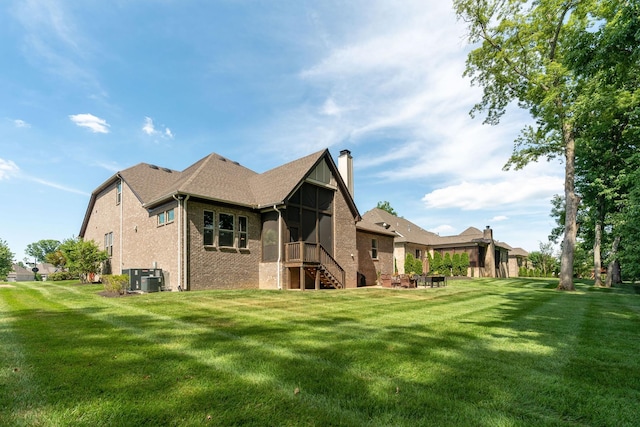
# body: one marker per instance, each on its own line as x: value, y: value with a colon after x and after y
x: 412, y: 265
x: 608, y: 61
x: 6, y: 260
x: 56, y: 258
x: 83, y: 257
x: 40, y: 249
x: 435, y: 263
x: 630, y: 228
x: 464, y: 263
x: 522, y: 57
x: 386, y: 206
x: 447, y: 264
x: 543, y: 260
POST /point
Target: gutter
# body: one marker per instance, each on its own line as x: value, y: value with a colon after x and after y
x: 279, y: 245
x: 182, y: 233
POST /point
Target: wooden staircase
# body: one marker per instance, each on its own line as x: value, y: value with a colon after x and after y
x: 327, y: 280
x: 317, y: 264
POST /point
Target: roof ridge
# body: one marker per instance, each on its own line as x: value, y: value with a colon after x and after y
x: 205, y: 160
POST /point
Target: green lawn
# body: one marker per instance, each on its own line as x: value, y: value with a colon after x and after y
x: 476, y: 353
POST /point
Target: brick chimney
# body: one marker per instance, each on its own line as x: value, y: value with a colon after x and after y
x: 345, y: 167
x: 488, y: 233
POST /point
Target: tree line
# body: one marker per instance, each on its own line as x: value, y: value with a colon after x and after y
x: 75, y: 258
x: 574, y: 65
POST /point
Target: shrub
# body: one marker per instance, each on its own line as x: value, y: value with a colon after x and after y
x: 116, y: 283
x: 62, y: 275
x: 435, y: 264
x: 447, y: 264
x: 464, y: 263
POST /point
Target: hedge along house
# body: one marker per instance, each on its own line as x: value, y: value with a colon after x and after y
x: 408, y: 238
x: 487, y: 257
x: 219, y: 225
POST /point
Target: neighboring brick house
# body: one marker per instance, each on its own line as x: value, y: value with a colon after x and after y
x: 219, y: 225
x: 409, y: 238
x: 375, y: 252
x: 518, y: 258
x: 19, y: 273
x: 488, y: 257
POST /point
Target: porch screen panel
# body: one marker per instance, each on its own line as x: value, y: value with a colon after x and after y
x: 270, y: 237
x: 325, y: 232
x: 325, y: 199
x: 309, y: 226
x: 308, y: 193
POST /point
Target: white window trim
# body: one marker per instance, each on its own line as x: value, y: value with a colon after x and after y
x: 240, y: 233
x: 212, y: 228
x: 233, y: 230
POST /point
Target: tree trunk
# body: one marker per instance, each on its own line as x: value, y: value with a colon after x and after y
x: 613, y: 269
x: 597, y: 258
x: 571, y: 208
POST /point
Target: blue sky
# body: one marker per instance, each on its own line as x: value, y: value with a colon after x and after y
x: 90, y: 88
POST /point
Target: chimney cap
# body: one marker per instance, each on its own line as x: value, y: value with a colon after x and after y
x: 345, y: 152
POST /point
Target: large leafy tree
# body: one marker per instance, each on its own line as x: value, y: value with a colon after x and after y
x: 607, y: 60
x: 630, y: 228
x: 524, y: 54
x: 83, y: 257
x: 40, y: 249
x: 6, y: 260
x: 386, y: 206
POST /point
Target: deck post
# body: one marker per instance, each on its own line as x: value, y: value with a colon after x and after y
x: 317, y: 278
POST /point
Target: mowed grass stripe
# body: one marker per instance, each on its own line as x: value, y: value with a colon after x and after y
x: 489, y: 353
x: 180, y: 344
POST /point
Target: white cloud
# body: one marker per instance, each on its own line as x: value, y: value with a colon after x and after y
x: 21, y: 123
x: 517, y: 190
x: 148, y: 126
x: 499, y: 218
x: 93, y: 123
x: 8, y: 168
x: 150, y: 129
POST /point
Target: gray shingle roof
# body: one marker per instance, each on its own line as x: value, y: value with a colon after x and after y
x: 215, y: 177
x: 406, y: 230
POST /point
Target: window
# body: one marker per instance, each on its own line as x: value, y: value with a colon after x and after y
x: 208, y: 228
x: 225, y: 230
x: 165, y: 217
x: 418, y: 254
x: 108, y: 243
x: 119, y: 193
x: 374, y: 248
x: 243, y: 233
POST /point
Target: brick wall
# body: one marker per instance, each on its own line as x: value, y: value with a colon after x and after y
x: 369, y: 267
x: 214, y: 267
x: 345, y: 250
x: 138, y: 241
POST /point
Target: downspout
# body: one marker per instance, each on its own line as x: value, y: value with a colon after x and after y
x: 184, y: 246
x: 179, y: 200
x: 279, y: 245
x: 121, y: 226
x: 182, y: 231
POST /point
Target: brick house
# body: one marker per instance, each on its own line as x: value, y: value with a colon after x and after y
x: 488, y: 257
x: 219, y: 225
